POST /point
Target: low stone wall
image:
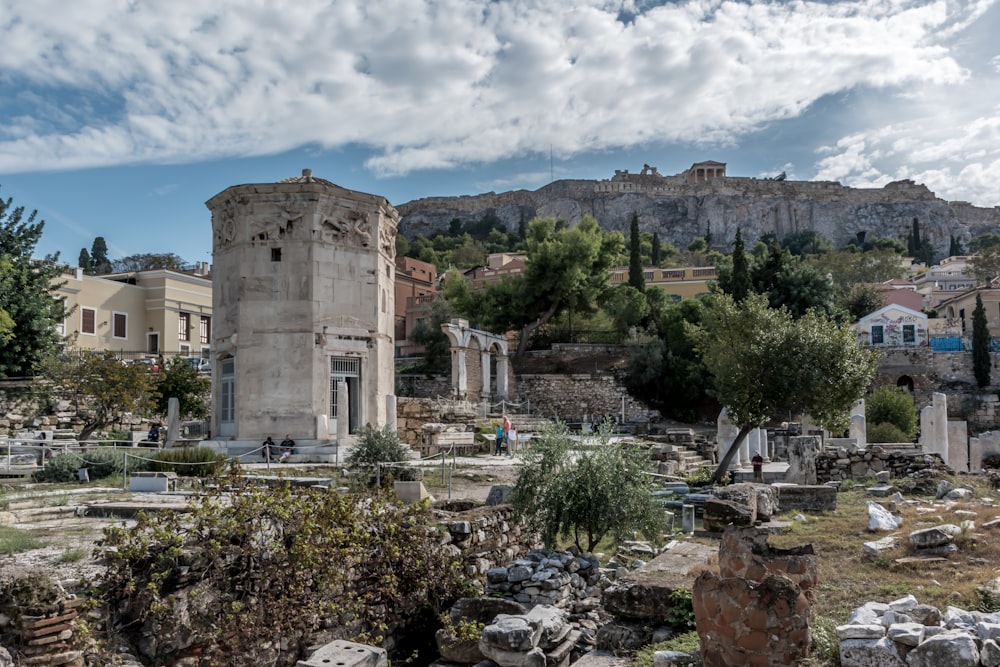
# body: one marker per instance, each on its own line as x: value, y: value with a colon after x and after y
x: 484, y: 537
x: 413, y: 413
x: 854, y: 462
x: 571, y: 397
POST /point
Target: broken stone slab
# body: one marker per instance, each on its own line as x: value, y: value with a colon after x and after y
x: 960, y: 494
x: 509, y: 634
x: 881, y: 490
x: 346, y: 654
x: 881, y: 652
x: 672, y: 659
x: 929, y: 538
x: 881, y: 519
x: 721, y: 514
x: 907, y: 634
x: 879, y: 547
x: 953, y: 648
x: 553, y: 624
x: 806, y: 498
x: 943, y: 487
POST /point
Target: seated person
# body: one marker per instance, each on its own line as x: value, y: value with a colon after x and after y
x: 288, y: 445
x: 267, y: 447
x: 154, y: 433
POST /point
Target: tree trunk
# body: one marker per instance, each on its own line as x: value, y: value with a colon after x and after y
x: 528, y: 328
x: 733, y: 449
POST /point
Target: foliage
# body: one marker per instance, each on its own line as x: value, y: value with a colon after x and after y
x: 892, y: 405
x: 99, y: 387
x: 29, y: 309
x: 681, y: 614
x: 886, y: 432
x: 627, y: 306
x: 186, y: 461
x: 983, y: 241
x: 148, y: 260
x: 985, y: 264
x: 100, y: 463
x: 739, y: 285
x: 427, y: 332
x: 15, y: 540
x: 180, y: 380
x: 585, y: 495
x: 806, y: 242
x: 277, y: 564
x: 862, y: 300
x: 379, y: 446
x: 636, y: 279
x: 981, y: 361
x: 689, y: 643
x: 99, y: 262
x: 764, y: 363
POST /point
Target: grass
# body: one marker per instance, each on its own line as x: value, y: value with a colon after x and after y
x: 15, y: 540
x: 72, y: 555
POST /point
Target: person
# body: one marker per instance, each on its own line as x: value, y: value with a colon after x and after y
x: 511, y: 440
x: 266, y: 448
x: 154, y: 433
x: 758, y: 467
x: 288, y: 445
x: 498, y: 444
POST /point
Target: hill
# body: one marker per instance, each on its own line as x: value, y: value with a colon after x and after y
x: 703, y: 200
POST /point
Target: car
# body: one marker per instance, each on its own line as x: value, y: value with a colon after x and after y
x: 200, y: 364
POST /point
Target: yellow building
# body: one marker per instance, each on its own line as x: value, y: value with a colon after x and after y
x: 679, y: 283
x: 152, y: 312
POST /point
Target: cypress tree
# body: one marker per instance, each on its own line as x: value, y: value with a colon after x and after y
x: 635, y: 277
x: 741, y: 274
x: 655, y: 252
x: 980, y: 344
x: 84, y: 261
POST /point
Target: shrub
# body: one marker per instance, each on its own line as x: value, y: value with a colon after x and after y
x: 885, y: 432
x: 188, y: 461
x: 892, y: 405
x: 380, y: 446
x: 100, y: 463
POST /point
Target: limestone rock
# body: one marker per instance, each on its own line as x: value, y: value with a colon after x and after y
x: 955, y: 649
x: 929, y: 538
x: 721, y: 514
x: 498, y: 494
x: 870, y: 653
x: 881, y: 519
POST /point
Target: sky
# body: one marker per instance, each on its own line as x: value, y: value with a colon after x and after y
x: 120, y: 118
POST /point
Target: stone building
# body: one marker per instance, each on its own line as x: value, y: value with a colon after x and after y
x: 304, y: 304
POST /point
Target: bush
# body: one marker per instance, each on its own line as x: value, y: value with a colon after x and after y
x: 380, y: 446
x: 188, y: 462
x: 892, y: 405
x: 886, y: 433
x: 99, y: 463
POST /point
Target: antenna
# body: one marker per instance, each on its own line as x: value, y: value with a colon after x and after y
x: 552, y: 171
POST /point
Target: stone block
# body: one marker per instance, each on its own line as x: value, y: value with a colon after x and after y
x: 346, y: 654
x: 809, y: 498
x: 410, y: 492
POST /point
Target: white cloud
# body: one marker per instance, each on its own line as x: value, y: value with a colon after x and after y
x: 436, y: 84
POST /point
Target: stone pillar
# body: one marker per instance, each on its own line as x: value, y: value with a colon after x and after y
x: 390, y: 411
x: 173, y: 420
x: 484, y: 361
x: 859, y: 430
x: 343, y: 414
x: 750, y: 444
x: 762, y: 443
x: 958, y: 450
x: 726, y: 434
x: 502, y: 376
x: 459, y: 374
x: 802, y: 452
x: 934, y: 427
x: 322, y: 427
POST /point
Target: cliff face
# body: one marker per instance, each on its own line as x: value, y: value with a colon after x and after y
x: 679, y: 210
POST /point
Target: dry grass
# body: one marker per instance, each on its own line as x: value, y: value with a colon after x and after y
x: 849, y: 577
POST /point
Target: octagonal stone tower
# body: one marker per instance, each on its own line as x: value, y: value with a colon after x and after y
x: 303, y: 300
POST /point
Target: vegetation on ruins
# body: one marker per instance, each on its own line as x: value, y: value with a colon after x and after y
x: 105, y: 462
x: 179, y: 379
x: 981, y: 361
x: 98, y: 387
x: 764, y: 362
x: 378, y: 457
x: 891, y: 415
x: 427, y: 332
x: 567, y: 492
x: 263, y: 569
x: 29, y: 311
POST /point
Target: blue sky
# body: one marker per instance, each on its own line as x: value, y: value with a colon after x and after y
x: 120, y: 118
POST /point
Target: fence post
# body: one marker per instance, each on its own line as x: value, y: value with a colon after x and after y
x: 125, y: 472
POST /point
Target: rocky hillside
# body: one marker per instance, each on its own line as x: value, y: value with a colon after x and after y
x: 680, y: 209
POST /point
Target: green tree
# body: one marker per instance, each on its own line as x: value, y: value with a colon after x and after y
x: 806, y: 242
x: 655, y: 251
x: 894, y: 406
x: 29, y: 308
x: 955, y: 247
x: 984, y: 240
x: 764, y: 363
x: 402, y: 246
x: 980, y: 344
x: 985, y: 264
x: 148, y: 260
x: 800, y: 287
x: 740, y: 280
x: 427, y: 332
x: 627, y: 307
x: 180, y: 380
x: 99, y: 256
x: 584, y: 495
x: 635, y: 276
x: 862, y: 300
x: 84, y: 261
x: 99, y: 387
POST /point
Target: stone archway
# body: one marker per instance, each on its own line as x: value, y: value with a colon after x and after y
x: 906, y: 382
x: 475, y: 355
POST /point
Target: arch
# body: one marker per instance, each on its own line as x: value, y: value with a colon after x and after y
x: 906, y: 382
x: 492, y: 361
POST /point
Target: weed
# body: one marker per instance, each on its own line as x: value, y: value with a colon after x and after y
x: 72, y: 555
x: 687, y: 642
x: 15, y: 540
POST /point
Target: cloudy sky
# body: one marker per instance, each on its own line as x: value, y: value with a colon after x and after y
x: 121, y: 117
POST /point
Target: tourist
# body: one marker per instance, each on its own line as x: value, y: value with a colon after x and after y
x: 288, y: 445
x: 758, y: 467
x: 266, y: 448
x: 154, y: 433
x: 498, y: 444
x: 511, y: 440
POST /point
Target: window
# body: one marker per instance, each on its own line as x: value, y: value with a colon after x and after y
x: 909, y: 333
x: 275, y: 254
x: 205, y: 330
x: 120, y: 328
x: 88, y: 321
x: 878, y: 334
x: 183, y: 326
